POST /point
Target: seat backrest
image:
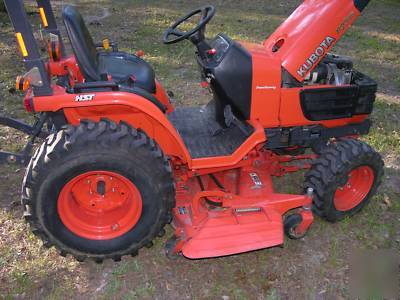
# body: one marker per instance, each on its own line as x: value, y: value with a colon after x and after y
x: 82, y: 43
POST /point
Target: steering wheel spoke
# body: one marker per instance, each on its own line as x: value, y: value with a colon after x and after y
x: 177, y: 32
x: 173, y: 34
x: 204, y: 13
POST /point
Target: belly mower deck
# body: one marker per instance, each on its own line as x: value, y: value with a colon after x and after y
x: 232, y: 212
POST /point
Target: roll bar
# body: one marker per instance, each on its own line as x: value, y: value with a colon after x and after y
x: 26, y: 40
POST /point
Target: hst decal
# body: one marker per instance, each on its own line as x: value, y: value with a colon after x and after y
x: 84, y: 97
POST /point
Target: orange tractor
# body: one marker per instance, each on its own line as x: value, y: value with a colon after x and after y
x: 119, y: 161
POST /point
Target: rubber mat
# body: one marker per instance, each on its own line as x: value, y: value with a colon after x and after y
x: 196, y: 126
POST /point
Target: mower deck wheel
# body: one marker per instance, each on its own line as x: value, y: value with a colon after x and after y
x: 290, y: 224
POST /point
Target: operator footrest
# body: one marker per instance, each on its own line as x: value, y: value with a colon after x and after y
x: 203, y: 136
x: 234, y: 232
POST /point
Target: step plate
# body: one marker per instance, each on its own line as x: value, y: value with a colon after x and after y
x: 195, y: 126
x: 233, y: 232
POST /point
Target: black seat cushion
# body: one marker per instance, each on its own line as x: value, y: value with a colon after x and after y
x: 123, y: 68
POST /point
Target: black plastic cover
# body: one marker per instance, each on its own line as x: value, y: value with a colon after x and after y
x: 232, y: 80
x: 328, y: 103
x: 339, y: 102
x: 367, y: 89
x: 306, y: 136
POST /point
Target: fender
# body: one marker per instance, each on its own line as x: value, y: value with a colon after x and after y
x: 142, y: 114
x: 117, y: 106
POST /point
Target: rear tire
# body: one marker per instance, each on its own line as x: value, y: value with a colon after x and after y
x: 344, y: 177
x: 98, y: 150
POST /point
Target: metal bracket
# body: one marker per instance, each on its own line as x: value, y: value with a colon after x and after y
x: 21, y: 158
x: 22, y: 126
x: 34, y: 131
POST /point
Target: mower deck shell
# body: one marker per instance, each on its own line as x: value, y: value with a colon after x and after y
x: 250, y: 216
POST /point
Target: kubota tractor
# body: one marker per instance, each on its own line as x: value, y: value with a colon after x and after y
x: 119, y: 161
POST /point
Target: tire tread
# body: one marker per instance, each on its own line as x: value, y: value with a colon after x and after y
x: 327, y: 172
x: 103, y: 134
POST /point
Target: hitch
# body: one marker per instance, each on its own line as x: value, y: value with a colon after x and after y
x: 34, y: 131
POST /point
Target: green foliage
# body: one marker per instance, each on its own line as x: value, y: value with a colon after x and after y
x: 385, y: 133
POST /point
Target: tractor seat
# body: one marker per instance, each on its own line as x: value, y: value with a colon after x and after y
x: 124, y: 69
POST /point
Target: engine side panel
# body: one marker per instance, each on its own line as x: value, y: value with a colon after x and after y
x: 291, y: 111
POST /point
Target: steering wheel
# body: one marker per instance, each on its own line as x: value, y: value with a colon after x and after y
x: 173, y: 35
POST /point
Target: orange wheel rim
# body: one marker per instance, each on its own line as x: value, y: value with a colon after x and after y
x: 355, y: 190
x: 99, y: 205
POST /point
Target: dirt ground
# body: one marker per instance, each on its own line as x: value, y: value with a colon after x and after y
x: 316, y: 267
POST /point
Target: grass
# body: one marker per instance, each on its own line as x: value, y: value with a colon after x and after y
x: 303, y: 268
x: 385, y: 134
x: 273, y: 295
x: 116, y: 283
x: 142, y: 292
x: 24, y: 262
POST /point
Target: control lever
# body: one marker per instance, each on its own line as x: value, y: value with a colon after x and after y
x: 230, y: 119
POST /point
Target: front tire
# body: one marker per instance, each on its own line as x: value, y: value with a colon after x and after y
x: 98, y: 190
x: 344, y: 177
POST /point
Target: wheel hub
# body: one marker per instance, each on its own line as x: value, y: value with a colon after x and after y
x: 100, y: 205
x: 100, y: 193
x: 354, y: 191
